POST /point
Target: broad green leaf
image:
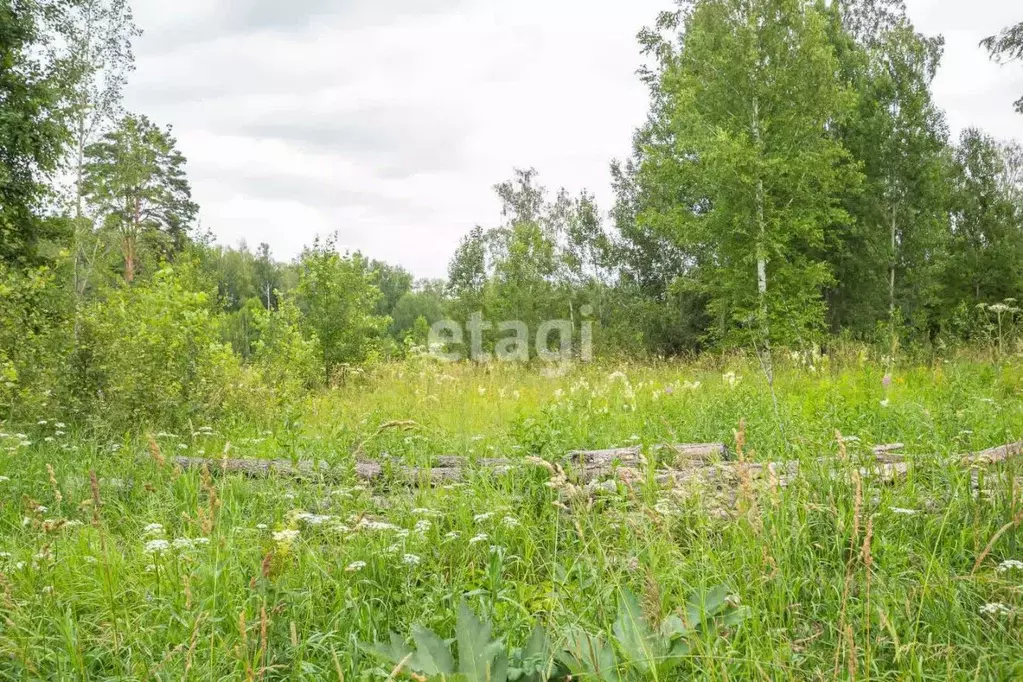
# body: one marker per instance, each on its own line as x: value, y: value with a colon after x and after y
x: 478, y: 658
x: 392, y: 652
x: 433, y: 657
x: 586, y: 654
x: 634, y: 635
x: 672, y: 627
x: 702, y: 607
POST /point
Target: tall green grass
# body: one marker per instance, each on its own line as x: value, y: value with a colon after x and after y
x: 226, y: 592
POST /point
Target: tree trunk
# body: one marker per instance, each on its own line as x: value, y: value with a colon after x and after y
x: 765, y: 326
x: 891, y: 280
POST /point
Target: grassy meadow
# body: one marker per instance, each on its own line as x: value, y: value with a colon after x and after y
x: 114, y: 565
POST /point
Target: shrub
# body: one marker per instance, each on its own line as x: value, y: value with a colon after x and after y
x: 152, y: 353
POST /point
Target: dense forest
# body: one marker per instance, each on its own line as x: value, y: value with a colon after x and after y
x: 794, y: 182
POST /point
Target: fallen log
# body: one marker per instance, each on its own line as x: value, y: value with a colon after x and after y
x: 996, y: 455
x: 691, y: 452
x: 448, y: 469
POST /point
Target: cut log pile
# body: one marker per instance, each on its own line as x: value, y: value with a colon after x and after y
x: 681, y: 466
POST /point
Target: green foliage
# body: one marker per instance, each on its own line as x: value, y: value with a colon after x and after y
x: 743, y: 102
x: 1007, y: 46
x: 135, y: 179
x: 480, y: 659
x: 34, y: 338
x: 985, y: 255
x: 338, y: 296
x: 644, y: 650
x: 640, y: 650
x: 33, y: 131
x: 152, y: 353
x: 884, y: 262
x: 287, y: 361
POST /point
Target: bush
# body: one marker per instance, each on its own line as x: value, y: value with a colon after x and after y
x: 152, y: 353
x: 288, y: 362
x: 34, y: 340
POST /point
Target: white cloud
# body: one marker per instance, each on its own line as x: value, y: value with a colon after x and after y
x: 390, y: 120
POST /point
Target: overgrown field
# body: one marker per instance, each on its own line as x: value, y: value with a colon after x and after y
x: 186, y: 575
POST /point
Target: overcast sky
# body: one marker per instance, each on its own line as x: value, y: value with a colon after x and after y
x: 389, y: 121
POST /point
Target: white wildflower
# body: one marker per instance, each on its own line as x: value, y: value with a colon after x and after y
x: 995, y: 609
x: 481, y: 390
x: 189, y: 543
x: 4, y: 479
x: 482, y: 537
x: 421, y: 511
x: 480, y: 518
x: 42, y: 422
x: 905, y: 512
x: 182, y: 446
x: 285, y: 536
x: 261, y: 526
x: 410, y: 560
x: 369, y: 524
x: 355, y: 566
x: 312, y: 519
x: 60, y: 425
x: 885, y: 402
x: 730, y: 379
x: 19, y: 566
x: 510, y: 522
x: 452, y: 536
x: 423, y: 526
x: 1010, y: 564
x: 89, y: 559
x: 153, y: 530
x: 156, y: 546
x: 49, y: 439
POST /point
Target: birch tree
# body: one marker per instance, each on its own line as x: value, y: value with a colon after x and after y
x: 750, y: 103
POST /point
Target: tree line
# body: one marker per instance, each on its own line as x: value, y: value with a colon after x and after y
x: 794, y: 180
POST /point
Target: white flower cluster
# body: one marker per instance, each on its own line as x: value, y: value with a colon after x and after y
x: 285, y: 536
x: 156, y: 546
x: 370, y: 524
x: 312, y: 519
x: 189, y: 543
x: 1009, y: 565
x: 995, y: 609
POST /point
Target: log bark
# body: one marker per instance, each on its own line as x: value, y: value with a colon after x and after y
x: 448, y: 469
x: 704, y: 463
